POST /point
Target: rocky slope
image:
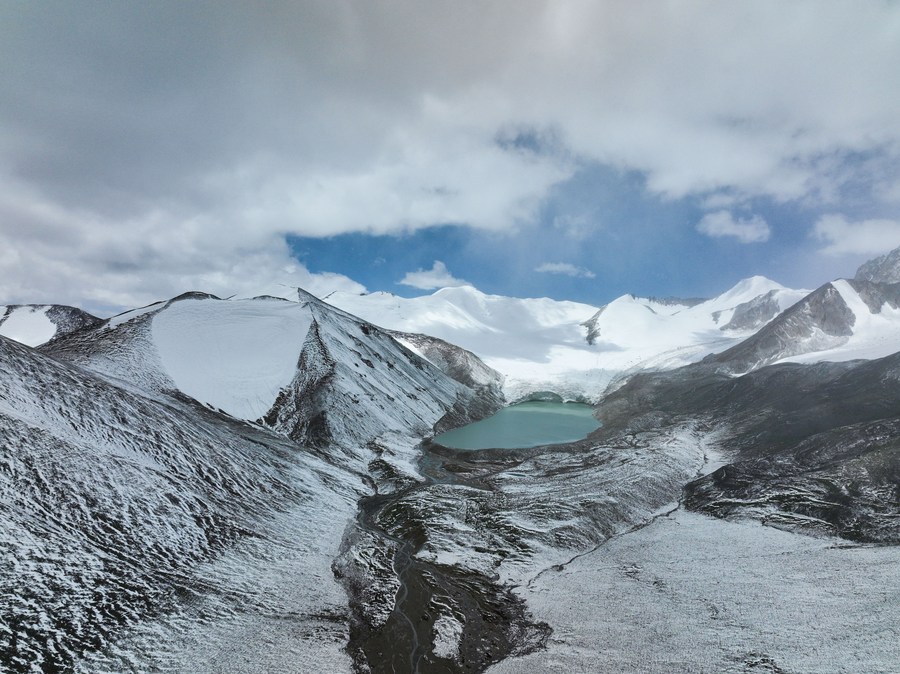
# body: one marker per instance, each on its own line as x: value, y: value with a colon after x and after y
x: 841, y: 320
x: 809, y: 447
x: 116, y: 507
x: 188, y: 472
x: 883, y: 269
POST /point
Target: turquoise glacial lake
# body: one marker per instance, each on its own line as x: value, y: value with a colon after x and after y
x: 524, y: 425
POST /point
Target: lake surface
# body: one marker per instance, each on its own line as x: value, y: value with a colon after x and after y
x: 525, y: 425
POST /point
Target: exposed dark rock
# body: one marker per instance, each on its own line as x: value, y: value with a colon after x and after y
x: 454, y: 361
x: 820, y: 320
x: 876, y: 295
x: 812, y: 447
x: 884, y: 269
x: 670, y: 301
x: 753, y: 314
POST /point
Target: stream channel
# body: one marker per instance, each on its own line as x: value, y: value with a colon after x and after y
x: 494, y: 622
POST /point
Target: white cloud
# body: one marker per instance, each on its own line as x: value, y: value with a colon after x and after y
x: 564, y: 268
x: 720, y: 200
x: 429, y: 279
x: 866, y: 237
x: 57, y: 255
x: 745, y: 230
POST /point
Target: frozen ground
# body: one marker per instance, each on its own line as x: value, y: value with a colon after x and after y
x: 267, y: 605
x: 690, y: 593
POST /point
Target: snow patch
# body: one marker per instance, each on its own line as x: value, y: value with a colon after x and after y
x: 234, y: 355
x: 28, y: 325
x: 447, y: 635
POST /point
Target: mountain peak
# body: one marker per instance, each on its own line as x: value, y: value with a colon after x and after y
x: 751, y: 287
x: 883, y: 269
x: 467, y: 288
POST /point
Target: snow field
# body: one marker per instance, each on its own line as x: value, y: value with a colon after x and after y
x: 234, y: 355
x: 28, y: 325
x: 690, y: 593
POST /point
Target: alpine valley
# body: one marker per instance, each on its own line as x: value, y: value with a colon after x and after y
x: 249, y: 484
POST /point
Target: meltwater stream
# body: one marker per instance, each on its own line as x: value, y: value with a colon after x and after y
x: 494, y: 622
x: 529, y: 424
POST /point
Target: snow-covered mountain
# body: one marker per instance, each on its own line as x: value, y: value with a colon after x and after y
x: 206, y: 485
x: 303, y: 368
x: 34, y: 324
x: 203, y: 443
x: 574, y: 349
x: 842, y: 320
x: 883, y: 269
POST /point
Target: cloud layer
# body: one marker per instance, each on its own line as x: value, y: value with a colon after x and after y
x: 429, y: 279
x: 147, y: 139
x: 745, y: 230
x: 564, y: 268
x: 866, y: 237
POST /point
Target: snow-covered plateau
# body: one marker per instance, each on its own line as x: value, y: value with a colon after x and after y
x: 250, y: 485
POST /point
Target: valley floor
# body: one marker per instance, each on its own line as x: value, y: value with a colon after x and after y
x: 691, y: 593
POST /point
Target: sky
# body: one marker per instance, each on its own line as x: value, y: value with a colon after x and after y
x: 562, y: 148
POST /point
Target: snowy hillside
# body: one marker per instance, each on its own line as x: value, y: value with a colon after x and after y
x: 307, y: 369
x: 206, y: 485
x: 120, y: 514
x: 186, y: 473
x: 574, y: 349
x: 34, y: 324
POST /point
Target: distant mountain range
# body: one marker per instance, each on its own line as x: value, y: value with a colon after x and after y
x: 249, y: 484
x: 577, y: 350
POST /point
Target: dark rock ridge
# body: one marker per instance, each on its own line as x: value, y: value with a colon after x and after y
x: 822, y: 320
x: 819, y: 321
x: 354, y: 381
x: 593, y: 327
x: 884, y: 269
x: 811, y: 447
x: 678, y: 301
x: 454, y: 361
x: 753, y: 314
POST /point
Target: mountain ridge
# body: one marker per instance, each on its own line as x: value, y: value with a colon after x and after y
x: 181, y: 477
